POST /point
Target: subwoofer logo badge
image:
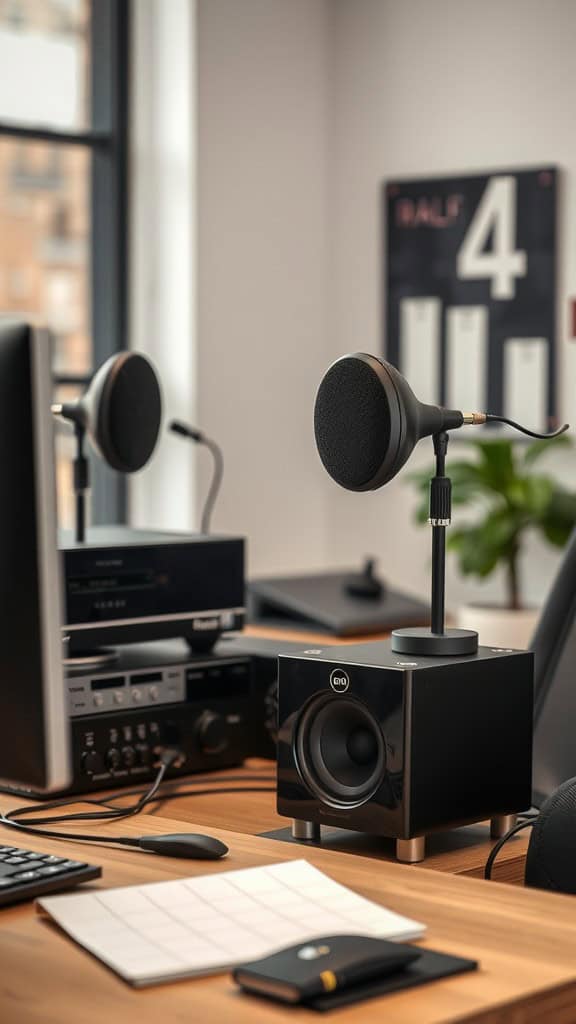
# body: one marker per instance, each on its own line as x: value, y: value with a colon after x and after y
x: 339, y: 680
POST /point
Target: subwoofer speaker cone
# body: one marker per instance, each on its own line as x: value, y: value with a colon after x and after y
x: 340, y: 751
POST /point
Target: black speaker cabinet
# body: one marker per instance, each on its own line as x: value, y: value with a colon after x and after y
x: 399, y: 746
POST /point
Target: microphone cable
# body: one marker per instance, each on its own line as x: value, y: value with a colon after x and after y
x: 528, y: 821
x: 108, y: 812
x: 193, y: 434
x: 490, y: 418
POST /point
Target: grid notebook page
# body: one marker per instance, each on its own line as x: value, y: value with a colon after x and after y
x: 178, y: 929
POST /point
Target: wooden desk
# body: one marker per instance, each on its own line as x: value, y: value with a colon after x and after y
x: 462, y: 851
x: 525, y: 941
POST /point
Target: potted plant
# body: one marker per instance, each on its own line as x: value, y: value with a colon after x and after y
x: 511, y: 499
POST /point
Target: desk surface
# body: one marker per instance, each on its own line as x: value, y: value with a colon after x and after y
x: 462, y: 851
x: 525, y: 941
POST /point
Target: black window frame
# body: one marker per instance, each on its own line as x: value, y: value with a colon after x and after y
x: 106, y: 140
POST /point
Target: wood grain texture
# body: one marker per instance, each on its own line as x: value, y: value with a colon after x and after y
x: 461, y: 851
x: 306, y: 637
x: 525, y: 941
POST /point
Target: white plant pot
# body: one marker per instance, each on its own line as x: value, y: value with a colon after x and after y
x: 499, y: 627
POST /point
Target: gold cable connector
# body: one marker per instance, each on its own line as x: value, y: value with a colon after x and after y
x: 475, y: 418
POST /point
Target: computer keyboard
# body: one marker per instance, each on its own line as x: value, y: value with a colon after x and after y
x: 25, y: 874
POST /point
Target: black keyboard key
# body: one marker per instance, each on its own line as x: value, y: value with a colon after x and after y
x: 28, y: 874
x: 6, y: 849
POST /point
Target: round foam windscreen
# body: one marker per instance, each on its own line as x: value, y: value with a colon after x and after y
x: 357, y: 422
x: 127, y: 411
x: 551, y: 858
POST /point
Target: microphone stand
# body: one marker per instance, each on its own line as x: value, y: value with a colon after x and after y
x: 437, y: 642
x: 81, y: 482
x: 439, y: 518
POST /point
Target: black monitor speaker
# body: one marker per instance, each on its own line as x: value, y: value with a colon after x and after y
x: 34, y: 733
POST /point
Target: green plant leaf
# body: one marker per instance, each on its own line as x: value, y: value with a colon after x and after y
x: 497, y: 463
x: 559, y: 518
x: 481, y: 547
x: 534, y: 494
x: 510, y: 499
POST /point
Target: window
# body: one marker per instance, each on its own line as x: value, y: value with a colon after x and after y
x: 63, y: 145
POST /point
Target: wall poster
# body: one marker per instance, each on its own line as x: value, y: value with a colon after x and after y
x: 471, y: 291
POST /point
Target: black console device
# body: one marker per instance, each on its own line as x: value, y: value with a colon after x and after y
x: 217, y: 708
x: 128, y: 586
x: 337, y: 602
x: 396, y: 746
x: 160, y: 694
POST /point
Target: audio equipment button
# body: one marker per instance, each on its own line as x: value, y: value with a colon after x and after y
x: 113, y: 759
x: 91, y: 762
x: 143, y: 754
x: 128, y: 757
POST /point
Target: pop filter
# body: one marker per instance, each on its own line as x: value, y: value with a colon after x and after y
x: 367, y: 421
x: 121, y: 411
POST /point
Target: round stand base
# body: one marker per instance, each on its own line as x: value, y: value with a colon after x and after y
x: 451, y: 643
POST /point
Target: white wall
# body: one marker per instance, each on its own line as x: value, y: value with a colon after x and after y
x: 262, y: 149
x: 304, y: 107
x: 442, y: 87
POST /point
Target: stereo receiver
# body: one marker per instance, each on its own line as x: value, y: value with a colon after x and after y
x: 129, y: 586
x: 159, y: 694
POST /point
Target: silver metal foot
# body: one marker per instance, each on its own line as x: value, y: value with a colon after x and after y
x: 305, y: 831
x: 410, y: 851
x: 500, y: 824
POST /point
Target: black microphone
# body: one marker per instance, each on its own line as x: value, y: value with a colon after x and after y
x: 367, y: 421
x: 121, y: 412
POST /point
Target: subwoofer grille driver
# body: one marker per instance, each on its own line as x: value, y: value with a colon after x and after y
x: 340, y: 751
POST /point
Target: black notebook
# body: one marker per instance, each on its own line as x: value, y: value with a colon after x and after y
x: 338, y: 970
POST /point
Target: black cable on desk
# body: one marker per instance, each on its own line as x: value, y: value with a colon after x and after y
x: 36, y: 826
x: 504, y: 839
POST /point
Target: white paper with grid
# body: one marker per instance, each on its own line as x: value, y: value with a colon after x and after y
x: 166, y: 930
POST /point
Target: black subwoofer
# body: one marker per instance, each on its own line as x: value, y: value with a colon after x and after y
x: 340, y: 750
x: 375, y: 742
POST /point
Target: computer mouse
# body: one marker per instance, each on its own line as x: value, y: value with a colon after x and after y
x: 185, y: 844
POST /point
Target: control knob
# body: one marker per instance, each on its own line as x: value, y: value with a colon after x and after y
x: 113, y: 759
x: 144, y: 754
x: 211, y: 733
x: 91, y: 762
x: 128, y: 756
